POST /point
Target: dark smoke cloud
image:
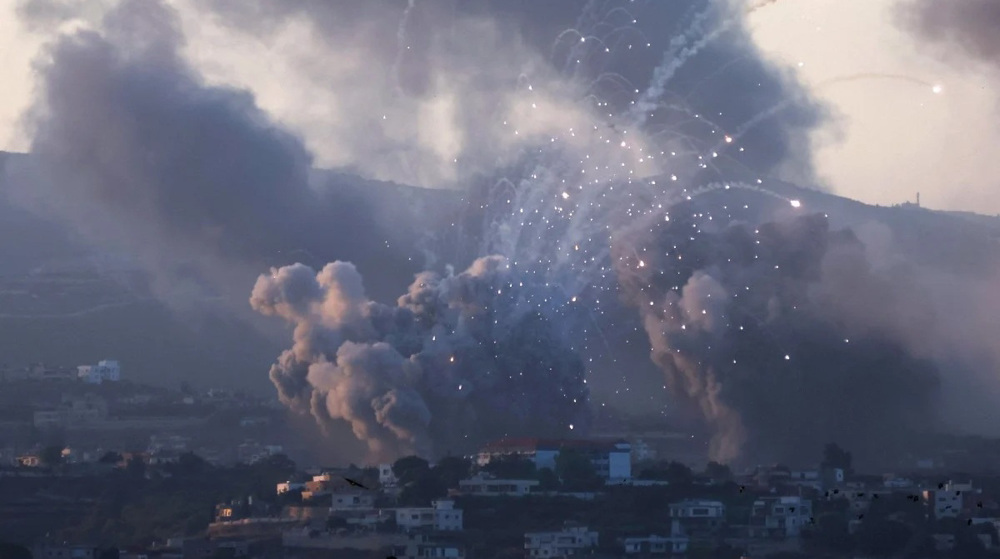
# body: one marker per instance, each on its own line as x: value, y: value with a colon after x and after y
x: 459, y: 360
x: 968, y: 25
x: 135, y: 150
x: 454, y: 71
x: 140, y: 151
x: 746, y: 324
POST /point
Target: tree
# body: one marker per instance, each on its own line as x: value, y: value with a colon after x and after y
x: 110, y: 457
x: 718, y: 472
x: 836, y: 457
x: 190, y: 464
x: 548, y: 480
x: 882, y: 538
x: 830, y: 533
x: 576, y: 471
x: 512, y: 467
x: 136, y: 467
x: 452, y: 469
x: 14, y: 551
x: 51, y: 455
x: 409, y: 469
x: 421, y: 491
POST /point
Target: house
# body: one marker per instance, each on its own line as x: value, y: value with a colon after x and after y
x: 570, y: 541
x: 656, y: 545
x: 612, y: 460
x: 386, y: 477
x: 73, y: 411
x: 950, y: 500
x: 780, y: 517
x: 105, y: 371
x: 251, y: 452
x: 352, y: 500
x: 420, y: 546
x: 484, y: 486
x: 63, y: 551
x: 697, y: 518
x: 442, y: 516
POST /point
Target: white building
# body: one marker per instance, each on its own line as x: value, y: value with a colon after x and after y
x: 612, y: 460
x: 698, y: 508
x: 483, y: 486
x: 421, y: 547
x: 442, y: 516
x: 386, y: 477
x: 352, y: 501
x: 948, y: 501
x: 780, y: 517
x: 104, y: 371
x: 696, y: 518
x: 569, y: 541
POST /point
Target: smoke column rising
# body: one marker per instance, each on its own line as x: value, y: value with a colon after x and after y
x: 459, y: 360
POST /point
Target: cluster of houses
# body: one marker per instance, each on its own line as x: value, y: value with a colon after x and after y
x: 107, y: 370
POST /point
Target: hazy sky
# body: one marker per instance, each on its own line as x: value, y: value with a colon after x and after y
x: 891, y: 136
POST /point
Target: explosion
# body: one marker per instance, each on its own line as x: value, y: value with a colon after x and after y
x: 460, y: 359
x: 611, y: 177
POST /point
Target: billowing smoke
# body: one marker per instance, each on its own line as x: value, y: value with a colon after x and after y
x: 460, y: 359
x: 969, y: 25
x: 746, y: 322
x: 136, y: 151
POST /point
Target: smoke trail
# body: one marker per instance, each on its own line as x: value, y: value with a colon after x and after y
x: 401, y: 41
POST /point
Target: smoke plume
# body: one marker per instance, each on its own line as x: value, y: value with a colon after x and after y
x: 459, y: 360
x: 744, y: 321
x: 968, y: 26
x: 133, y: 149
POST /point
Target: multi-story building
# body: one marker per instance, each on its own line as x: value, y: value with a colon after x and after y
x: 780, y: 517
x: 572, y: 540
x: 352, y: 501
x: 442, y: 516
x: 105, y: 371
x: 419, y: 546
x: 386, y: 477
x: 484, y: 486
x: 612, y: 460
x: 697, y: 518
x: 950, y: 500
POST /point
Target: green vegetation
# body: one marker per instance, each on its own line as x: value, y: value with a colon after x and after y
x: 174, y: 499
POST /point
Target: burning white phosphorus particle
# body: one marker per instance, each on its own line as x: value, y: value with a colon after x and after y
x: 796, y: 204
x: 937, y: 89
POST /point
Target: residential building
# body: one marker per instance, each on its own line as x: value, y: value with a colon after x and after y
x: 442, y: 516
x: 251, y: 452
x: 571, y: 540
x: 352, y: 500
x: 73, y: 412
x: 105, y: 371
x: 420, y: 546
x: 56, y: 551
x: 950, y: 500
x: 656, y: 545
x: 612, y: 460
x: 697, y: 518
x: 386, y: 477
x: 484, y: 486
x: 780, y: 517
